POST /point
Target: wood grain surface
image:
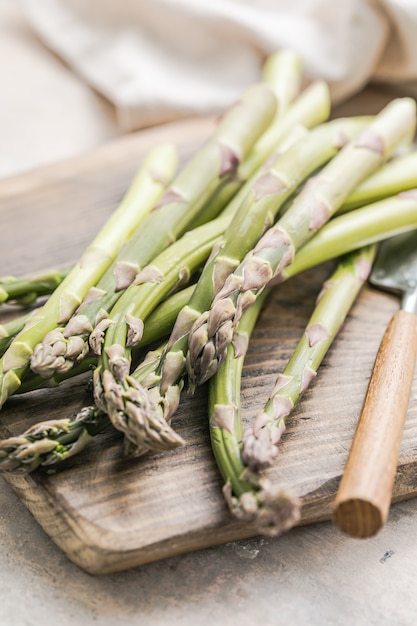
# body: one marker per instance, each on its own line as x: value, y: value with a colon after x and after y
x: 108, y: 513
x: 365, y: 491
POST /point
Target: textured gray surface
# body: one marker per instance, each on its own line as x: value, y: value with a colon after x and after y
x: 311, y: 576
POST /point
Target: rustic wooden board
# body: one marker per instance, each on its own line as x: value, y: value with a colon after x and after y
x: 108, y: 513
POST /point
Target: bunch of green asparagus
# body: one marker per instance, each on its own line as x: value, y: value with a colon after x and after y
x: 166, y: 296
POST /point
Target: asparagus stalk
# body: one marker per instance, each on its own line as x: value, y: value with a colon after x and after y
x: 158, y: 324
x: 311, y: 108
x: 283, y: 72
x: 9, y: 330
x: 65, y: 347
x: 347, y: 232
x: 28, y: 289
x: 343, y: 234
x: 113, y: 389
x: 265, y: 196
x: 311, y: 209
x: 50, y: 442
x: 98, y: 256
x: 260, y: 441
x: 182, y: 202
x: 397, y: 175
x: 241, y: 456
x: 154, y: 432
x: 161, y: 320
x: 231, y: 141
x: 250, y: 497
x: 392, y: 178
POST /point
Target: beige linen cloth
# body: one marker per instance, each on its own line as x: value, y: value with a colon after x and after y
x: 160, y: 60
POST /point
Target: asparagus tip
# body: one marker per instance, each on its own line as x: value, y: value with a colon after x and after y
x: 273, y: 510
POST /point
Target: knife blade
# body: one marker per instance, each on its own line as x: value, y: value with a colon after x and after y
x: 365, y: 491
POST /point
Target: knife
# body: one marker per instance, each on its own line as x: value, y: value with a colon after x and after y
x: 364, y: 495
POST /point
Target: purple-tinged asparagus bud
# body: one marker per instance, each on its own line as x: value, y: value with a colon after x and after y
x: 78, y: 325
x: 268, y: 185
x: 316, y: 333
x: 149, y: 274
x: 119, y: 365
x: 223, y: 416
x: 172, y: 369
x: 124, y: 274
x: 229, y: 159
x: 96, y: 338
x: 370, y: 140
x: 135, y: 330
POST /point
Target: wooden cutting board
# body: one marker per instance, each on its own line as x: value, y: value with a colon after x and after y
x: 108, y: 513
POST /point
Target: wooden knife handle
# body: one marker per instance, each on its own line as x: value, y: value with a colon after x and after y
x: 365, y: 491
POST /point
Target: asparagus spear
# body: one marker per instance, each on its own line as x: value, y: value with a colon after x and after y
x: 343, y: 234
x: 158, y: 324
x: 162, y: 318
x: 113, y: 388
x: 334, y: 302
x: 265, y: 196
x: 28, y: 289
x: 295, y: 109
x: 98, y: 256
x: 250, y: 497
x: 347, y: 232
x: 282, y: 70
x: 311, y: 108
x: 51, y: 442
x: 9, y: 330
x: 137, y: 416
x: 210, y: 167
x: 393, y: 177
x: 311, y: 209
x: 241, y: 456
x: 231, y: 141
x: 65, y: 347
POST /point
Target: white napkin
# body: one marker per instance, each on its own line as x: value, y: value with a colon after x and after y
x: 160, y: 60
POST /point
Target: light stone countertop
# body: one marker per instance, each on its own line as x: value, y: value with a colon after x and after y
x: 311, y: 576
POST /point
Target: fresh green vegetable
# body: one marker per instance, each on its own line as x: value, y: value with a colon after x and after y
x: 99, y: 255
x: 335, y: 300
x: 399, y: 174
x: 241, y: 455
x: 27, y: 289
x: 183, y: 201
x: 266, y: 194
x: 50, y: 442
x: 310, y: 210
x: 112, y: 385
